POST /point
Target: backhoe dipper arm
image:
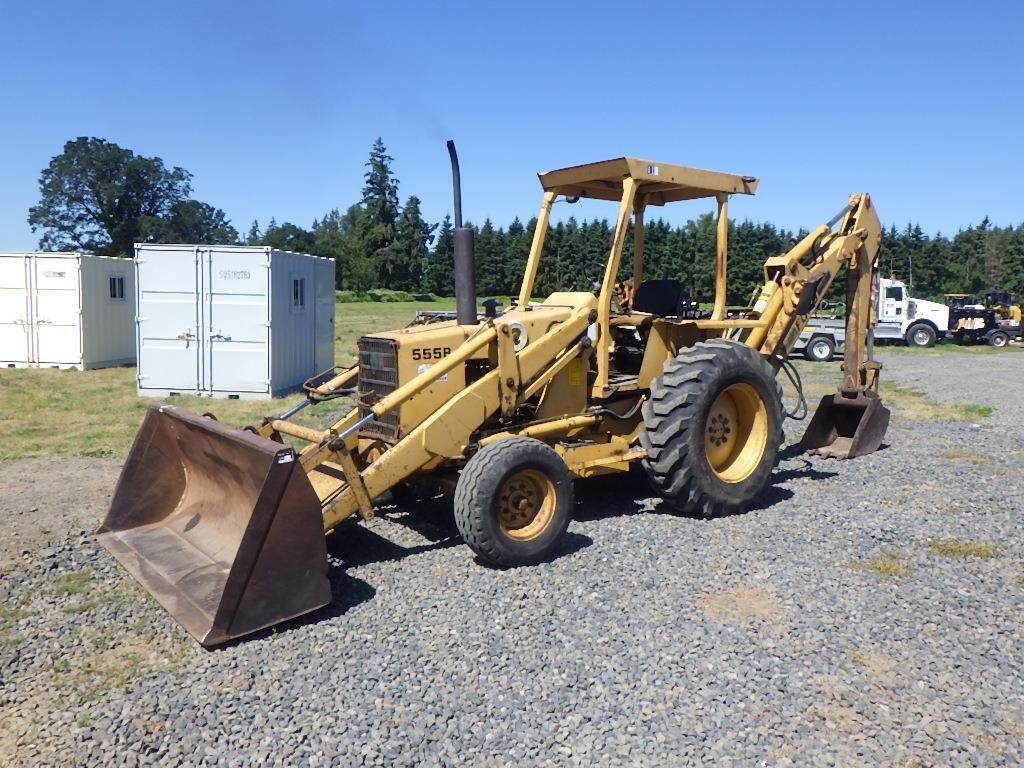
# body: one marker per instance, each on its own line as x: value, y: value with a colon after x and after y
x: 853, y: 421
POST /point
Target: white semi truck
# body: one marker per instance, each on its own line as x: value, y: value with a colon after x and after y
x: 901, y: 318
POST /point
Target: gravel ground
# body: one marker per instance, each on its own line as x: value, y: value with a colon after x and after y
x: 823, y: 627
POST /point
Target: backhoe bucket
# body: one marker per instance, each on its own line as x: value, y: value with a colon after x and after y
x: 220, y: 525
x: 846, y: 427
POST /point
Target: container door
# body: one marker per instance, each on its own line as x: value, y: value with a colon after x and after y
x: 58, y: 311
x: 237, y: 321
x: 324, y: 317
x: 167, y: 283
x: 15, y: 310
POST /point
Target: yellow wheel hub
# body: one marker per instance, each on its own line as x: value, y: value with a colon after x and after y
x: 526, y: 505
x: 736, y: 433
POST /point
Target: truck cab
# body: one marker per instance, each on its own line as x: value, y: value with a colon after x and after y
x: 901, y: 317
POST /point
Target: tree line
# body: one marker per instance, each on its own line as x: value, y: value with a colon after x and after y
x: 99, y: 197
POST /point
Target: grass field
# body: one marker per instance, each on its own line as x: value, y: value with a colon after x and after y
x: 48, y: 412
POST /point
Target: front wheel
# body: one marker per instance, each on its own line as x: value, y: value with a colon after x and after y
x: 712, y: 428
x: 921, y: 335
x: 513, y: 501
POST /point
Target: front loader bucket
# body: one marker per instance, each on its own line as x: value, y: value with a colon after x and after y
x: 846, y: 427
x: 220, y: 525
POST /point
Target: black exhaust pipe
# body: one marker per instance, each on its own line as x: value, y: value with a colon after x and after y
x: 465, y: 262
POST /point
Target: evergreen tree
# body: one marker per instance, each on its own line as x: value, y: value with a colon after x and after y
x: 401, y: 264
x: 439, y: 275
x: 380, y: 192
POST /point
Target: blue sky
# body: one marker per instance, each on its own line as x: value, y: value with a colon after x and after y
x: 274, y: 106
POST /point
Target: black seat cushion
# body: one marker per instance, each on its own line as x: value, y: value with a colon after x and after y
x: 659, y: 297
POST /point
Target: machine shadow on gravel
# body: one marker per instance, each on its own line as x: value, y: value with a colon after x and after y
x: 346, y: 593
x: 630, y: 493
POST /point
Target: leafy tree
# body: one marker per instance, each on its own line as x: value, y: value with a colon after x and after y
x: 289, y: 237
x: 189, y: 221
x: 97, y: 196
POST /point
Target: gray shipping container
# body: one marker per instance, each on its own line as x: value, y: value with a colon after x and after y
x: 231, y: 321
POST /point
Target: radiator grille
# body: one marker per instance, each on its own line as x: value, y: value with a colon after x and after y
x: 378, y: 376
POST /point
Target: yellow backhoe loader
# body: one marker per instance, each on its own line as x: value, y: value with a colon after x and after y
x: 226, y: 527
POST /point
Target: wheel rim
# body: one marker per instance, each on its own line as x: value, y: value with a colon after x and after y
x: 998, y: 341
x: 736, y: 433
x: 920, y: 337
x: 820, y: 350
x: 526, y: 505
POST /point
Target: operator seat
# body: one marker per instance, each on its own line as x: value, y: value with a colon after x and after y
x: 659, y: 297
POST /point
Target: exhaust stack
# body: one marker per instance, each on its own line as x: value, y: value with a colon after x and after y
x: 465, y: 262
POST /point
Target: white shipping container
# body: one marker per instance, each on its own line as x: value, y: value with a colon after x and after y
x: 231, y: 321
x: 66, y: 310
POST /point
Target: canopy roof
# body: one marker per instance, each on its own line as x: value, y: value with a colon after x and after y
x: 659, y: 183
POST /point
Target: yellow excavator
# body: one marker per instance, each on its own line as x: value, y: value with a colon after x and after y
x: 226, y: 527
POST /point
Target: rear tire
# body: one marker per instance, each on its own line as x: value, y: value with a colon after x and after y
x: 998, y: 339
x: 712, y: 428
x: 920, y: 335
x: 820, y: 349
x: 513, y: 501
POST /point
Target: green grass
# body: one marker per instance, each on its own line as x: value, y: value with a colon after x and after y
x: 968, y: 457
x: 50, y: 412
x: 906, y: 403
x: 961, y: 549
x: 889, y: 565
x: 10, y: 614
x: 73, y: 608
x: 75, y: 583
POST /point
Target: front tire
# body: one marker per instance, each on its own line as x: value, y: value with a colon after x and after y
x: 712, y: 428
x: 920, y: 335
x: 513, y: 501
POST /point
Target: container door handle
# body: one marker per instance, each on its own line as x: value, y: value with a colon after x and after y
x: 187, y: 337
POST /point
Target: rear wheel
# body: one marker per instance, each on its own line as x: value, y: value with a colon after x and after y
x: 513, y: 501
x: 820, y: 349
x: 712, y: 428
x: 921, y: 335
x: 998, y: 339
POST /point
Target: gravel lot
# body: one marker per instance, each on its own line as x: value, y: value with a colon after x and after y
x: 825, y: 627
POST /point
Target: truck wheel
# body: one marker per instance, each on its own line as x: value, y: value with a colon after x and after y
x: 513, y: 501
x: 998, y: 339
x: 820, y: 349
x: 920, y: 335
x: 712, y: 428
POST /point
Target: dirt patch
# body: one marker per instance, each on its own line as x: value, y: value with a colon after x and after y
x: 741, y: 605
x: 42, y: 499
x: 875, y: 664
